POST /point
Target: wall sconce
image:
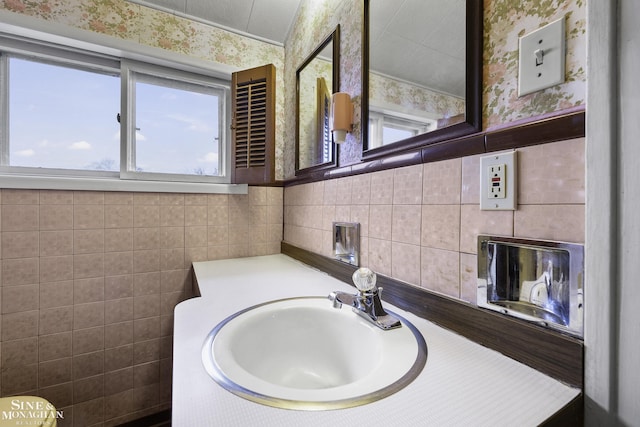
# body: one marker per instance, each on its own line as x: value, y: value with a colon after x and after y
x: 341, y: 116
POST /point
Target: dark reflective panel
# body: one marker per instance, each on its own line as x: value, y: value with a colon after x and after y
x: 316, y: 80
x: 421, y: 72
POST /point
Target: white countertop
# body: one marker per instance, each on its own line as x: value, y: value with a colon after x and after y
x: 462, y: 384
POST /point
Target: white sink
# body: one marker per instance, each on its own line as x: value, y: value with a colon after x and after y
x: 301, y: 353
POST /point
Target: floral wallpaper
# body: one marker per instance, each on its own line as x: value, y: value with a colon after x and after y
x: 504, y: 22
x: 316, y: 20
x: 385, y: 90
x: 157, y: 29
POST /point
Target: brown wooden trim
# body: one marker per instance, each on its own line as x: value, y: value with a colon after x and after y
x: 571, y: 415
x: 547, y: 351
x: 439, y: 136
x: 253, y: 135
x: 539, y: 132
x: 276, y: 183
x: 474, y: 75
x: 460, y: 147
x: 392, y: 162
x: 536, y: 131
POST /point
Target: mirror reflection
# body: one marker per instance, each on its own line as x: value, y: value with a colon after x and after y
x: 416, y: 68
x: 317, y: 78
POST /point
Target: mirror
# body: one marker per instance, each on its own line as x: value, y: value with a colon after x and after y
x: 317, y: 78
x: 421, y: 73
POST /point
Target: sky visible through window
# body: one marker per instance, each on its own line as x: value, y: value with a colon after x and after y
x: 390, y: 134
x: 66, y: 118
x: 176, y: 130
x: 62, y: 117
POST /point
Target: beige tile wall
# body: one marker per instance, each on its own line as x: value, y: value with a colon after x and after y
x: 419, y: 224
x: 89, y: 281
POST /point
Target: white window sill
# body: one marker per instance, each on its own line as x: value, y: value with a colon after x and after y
x: 109, y: 184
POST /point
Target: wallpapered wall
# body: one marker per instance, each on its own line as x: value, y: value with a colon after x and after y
x: 315, y: 21
x: 139, y: 24
x: 504, y: 22
x: 419, y: 224
x: 412, y: 99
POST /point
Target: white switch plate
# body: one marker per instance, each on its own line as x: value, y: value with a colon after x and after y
x: 533, y: 75
x: 502, y: 166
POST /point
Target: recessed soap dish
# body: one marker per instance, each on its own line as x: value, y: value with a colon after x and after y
x: 539, y: 281
x: 346, y: 242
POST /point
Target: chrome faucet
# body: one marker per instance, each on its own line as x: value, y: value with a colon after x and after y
x: 366, y: 302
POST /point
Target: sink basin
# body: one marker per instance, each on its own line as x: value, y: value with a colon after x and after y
x: 301, y: 353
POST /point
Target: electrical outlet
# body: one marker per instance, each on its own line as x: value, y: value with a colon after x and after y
x: 498, y: 185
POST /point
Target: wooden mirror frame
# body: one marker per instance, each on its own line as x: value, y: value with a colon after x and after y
x: 473, y: 90
x: 334, y: 38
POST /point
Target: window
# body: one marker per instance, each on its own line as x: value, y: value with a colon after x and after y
x: 57, y: 125
x: 74, y: 113
x: 323, y: 111
x: 386, y: 128
x: 179, y: 131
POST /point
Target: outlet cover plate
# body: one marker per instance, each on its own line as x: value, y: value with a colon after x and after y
x: 510, y: 184
x: 547, y: 69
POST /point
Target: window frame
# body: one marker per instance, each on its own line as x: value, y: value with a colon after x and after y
x: 380, y: 119
x: 129, y: 71
x: 46, y: 53
x: 98, y: 58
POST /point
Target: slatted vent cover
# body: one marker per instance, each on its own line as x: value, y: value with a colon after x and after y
x: 251, y: 114
x: 253, y: 125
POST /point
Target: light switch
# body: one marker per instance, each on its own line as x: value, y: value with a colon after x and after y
x: 498, y: 185
x: 541, y: 62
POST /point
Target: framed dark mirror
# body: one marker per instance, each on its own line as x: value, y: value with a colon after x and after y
x: 316, y: 80
x: 422, y: 73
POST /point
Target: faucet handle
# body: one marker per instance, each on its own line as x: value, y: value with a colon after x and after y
x: 364, y: 279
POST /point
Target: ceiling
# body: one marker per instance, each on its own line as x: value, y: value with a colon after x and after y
x: 408, y: 40
x: 420, y: 41
x: 269, y: 20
